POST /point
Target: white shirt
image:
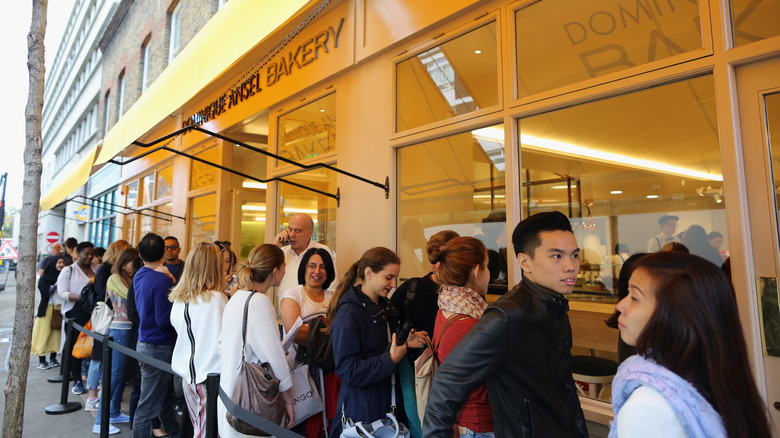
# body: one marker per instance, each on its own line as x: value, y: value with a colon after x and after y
x: 647, y: 414
x: 652, y: 244
x: 293, y: 261
x: 262, y: 345
x: 205, y: 326
x: 309, y: 308
x: 71, y: 280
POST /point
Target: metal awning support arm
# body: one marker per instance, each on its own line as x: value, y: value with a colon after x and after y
x: 337, y: 196
x: 133, y: 210
x: 385, y: 186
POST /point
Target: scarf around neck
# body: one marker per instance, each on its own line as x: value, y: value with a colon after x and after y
x: 696, y: 415
x: 461, y: 300
x: 117, y: 286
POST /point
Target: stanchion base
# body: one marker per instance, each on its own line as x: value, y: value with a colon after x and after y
x: 55, y: 379
x: 60, y: 409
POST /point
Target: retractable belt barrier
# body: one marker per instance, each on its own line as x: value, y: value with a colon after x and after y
x: 213, y: 390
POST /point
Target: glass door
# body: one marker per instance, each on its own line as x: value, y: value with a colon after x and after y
x: 759, y: 111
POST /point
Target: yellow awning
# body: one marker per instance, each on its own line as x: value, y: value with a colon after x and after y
x: 228, y: 36
x: 76, y: 177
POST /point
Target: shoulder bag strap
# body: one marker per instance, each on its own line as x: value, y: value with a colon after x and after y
x: 450, y: 320
x: 243, y: 325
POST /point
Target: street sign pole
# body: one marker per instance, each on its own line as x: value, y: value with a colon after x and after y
x: 4, y: 182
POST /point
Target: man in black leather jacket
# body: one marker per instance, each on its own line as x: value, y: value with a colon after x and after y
x: 521, y: 346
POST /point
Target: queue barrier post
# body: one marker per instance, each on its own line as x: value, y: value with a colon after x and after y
x: 105, y: 397
x: 64, y: 406
x: 212, y: 394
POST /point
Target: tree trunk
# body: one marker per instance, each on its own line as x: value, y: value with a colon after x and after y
x: 19, y: 361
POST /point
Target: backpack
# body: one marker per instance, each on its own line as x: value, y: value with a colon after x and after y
x: 425, y: 367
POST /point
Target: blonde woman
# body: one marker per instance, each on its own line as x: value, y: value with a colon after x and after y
x: 198, y: 303
x: 263, y: 270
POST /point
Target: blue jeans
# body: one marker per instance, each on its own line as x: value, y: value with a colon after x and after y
x: 156, y: 393
x: 121, y: 337
x: 94, y: 374
x: 471, y: 434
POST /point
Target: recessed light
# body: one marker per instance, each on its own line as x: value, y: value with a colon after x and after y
x: 616, y: 192
x: 478, y: 52
x: 652, y: 196
x: 322, y: 110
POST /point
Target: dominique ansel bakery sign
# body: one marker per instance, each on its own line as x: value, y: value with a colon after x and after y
x: 281, y: 67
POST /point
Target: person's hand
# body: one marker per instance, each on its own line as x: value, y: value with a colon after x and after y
x: 164, y: 270
x: 417, y: 339
x: 397, y: 352
x: 288, y: 406
x: 282, y: 238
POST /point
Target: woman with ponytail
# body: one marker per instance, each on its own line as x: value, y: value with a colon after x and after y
x: 464, y: 276
x: 363, y: 320
x: 263, y: 270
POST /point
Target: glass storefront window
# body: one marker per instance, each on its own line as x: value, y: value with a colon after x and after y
x: 561, y: 42
x: 164, y: 181
x: 146, y: 223
x: 129, y: 229
x: 322, y: 209
x: 309, y: 131
x: 132, y: 195
x: 631, y: 172
x: 203, y: 175
x: 253, y: 218
x: 456, y: 183
x: 162, y: 222
x: 457, y: 77
x: 102, y: 220
x: 753, y: 20
x: 203, y: 218
x: 148, y: 189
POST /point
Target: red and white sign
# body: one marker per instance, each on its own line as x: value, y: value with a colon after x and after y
x: 7, y: 251
x: 53, y: 236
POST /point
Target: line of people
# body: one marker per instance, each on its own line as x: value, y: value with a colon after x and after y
x: 505, y: 369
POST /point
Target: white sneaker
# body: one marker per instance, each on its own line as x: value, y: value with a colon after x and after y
x: 112, y: 430
x: 92, y: 406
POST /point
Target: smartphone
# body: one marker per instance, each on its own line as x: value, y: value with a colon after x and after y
x: 233, y: 280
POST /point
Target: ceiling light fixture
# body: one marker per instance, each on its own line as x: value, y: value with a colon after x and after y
x: 616, y: 192
x: 254, y: 185
x: 253, y: 207
x: 561, y: 148
x: 652, y: 196
x: 478, y: 52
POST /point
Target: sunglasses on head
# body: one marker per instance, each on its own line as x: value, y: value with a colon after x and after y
x: 223, y: 245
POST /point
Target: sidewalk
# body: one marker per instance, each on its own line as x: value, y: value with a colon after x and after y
x: 41, y: 393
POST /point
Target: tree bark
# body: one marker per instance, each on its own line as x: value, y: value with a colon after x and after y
x: 19, y: 361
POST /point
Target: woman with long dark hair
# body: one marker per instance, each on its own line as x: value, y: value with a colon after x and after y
x: 362, y: 320
x: 691, y: 376
x: 464, y: 277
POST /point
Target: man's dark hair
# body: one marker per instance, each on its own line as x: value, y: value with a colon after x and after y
x: 82, y: 246
x: 151, y: 248
x: 171, y: 238
x: 714, y: 235
x: 525, y: 238
x: 330, y: 272
x: 100, y: 251
x: 71, y: 242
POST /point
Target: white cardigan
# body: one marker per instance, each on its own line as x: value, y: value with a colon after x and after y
x: 262, y: 345
x: 202, y: 332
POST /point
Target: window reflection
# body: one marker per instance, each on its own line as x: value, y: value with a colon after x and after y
x: 308, y: 131
x: 561, y: 42
x: 457, y: 77
x: 205, y: 175
x: 164, y: 181
x: 453, y: 183
x: 754, y: 20
x: 627, y: 170
x: 322, y: 209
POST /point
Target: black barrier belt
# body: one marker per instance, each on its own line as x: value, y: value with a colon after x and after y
x: 253, y: 420
x: 239, y: 412
x: 127, y: 351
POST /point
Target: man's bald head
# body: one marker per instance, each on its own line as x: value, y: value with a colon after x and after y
x: 301, y: 228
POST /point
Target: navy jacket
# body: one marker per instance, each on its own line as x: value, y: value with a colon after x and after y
x: 361, y: 353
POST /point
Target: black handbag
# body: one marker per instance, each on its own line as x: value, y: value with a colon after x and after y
x: 256, y: 390
x: 319, y: 347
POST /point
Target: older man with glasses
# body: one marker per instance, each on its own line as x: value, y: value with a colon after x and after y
x: 172, y: 261
x: 294, y: 241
